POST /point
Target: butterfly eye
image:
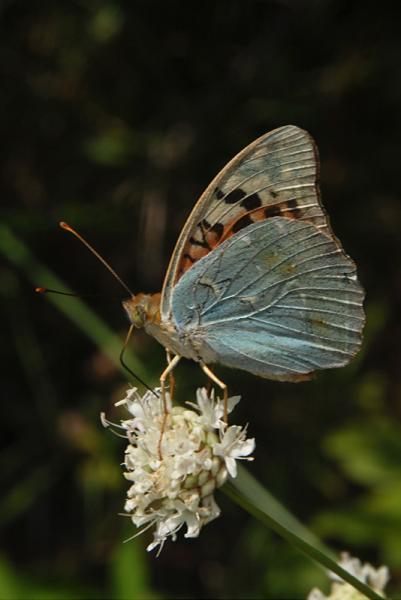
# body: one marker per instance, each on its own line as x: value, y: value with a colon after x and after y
x: 141, y: 308
x: 135, y: 312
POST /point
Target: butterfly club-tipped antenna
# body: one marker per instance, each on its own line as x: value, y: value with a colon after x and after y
x: 70, y: 229
x: 46, y: 290
x: 42, y: 290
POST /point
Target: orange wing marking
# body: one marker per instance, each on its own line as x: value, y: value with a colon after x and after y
x: 213, y: 235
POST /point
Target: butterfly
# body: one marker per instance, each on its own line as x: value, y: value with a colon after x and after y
x: 257, y: 280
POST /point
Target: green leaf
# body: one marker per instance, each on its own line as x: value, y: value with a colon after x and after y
x: 8, y: 581
x: 370, y: 452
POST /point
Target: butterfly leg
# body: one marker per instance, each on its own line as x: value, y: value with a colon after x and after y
x: 221, y: 385
x: 172, y: 364
x: 171, y: 376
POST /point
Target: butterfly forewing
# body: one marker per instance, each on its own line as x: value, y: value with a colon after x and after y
x: 274, y: 176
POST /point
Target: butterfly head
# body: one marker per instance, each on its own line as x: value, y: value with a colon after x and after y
x: 143, y: 308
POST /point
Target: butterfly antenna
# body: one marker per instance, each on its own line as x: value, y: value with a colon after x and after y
x: 42, y: 290
x: 67, y: 227
x: 126, y: 367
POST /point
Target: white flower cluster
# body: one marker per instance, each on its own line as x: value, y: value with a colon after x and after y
x: 340, y: 590
x: 175, y: 474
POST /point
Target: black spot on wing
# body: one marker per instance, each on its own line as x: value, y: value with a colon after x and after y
x: 234, y: 196
x: 206, y: 228
x: 272, y: 211
x: 273, y: 193
x: 292, y: 204
x: 283, y: 208
x: 241, y: 223
x: 251, y: 202
x: 218, y: 229
x: 203, y: 244
x: 219, y: 193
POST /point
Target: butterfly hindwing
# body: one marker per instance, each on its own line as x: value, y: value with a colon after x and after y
x: 279, y: 299
x: 274, y: 176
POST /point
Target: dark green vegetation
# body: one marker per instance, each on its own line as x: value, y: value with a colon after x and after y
x: 114, y: 117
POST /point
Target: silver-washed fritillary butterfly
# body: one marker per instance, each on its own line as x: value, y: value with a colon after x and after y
x: 257, y: 280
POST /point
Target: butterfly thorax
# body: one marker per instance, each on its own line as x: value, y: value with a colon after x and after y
x: 143, y: 311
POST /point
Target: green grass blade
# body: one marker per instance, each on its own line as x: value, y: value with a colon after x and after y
x: 251, y: 495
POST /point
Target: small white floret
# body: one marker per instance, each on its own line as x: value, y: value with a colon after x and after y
x: 375, y: 578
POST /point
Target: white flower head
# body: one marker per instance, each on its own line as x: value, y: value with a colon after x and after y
x: 173, y: 475
x: 341, y: 590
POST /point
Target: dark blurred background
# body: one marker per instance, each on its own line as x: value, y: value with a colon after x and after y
x: 114, y: 117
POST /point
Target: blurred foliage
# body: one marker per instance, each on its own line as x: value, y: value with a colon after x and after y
x: 114, y: 116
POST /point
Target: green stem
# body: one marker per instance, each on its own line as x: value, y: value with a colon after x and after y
x: 251, y: 495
